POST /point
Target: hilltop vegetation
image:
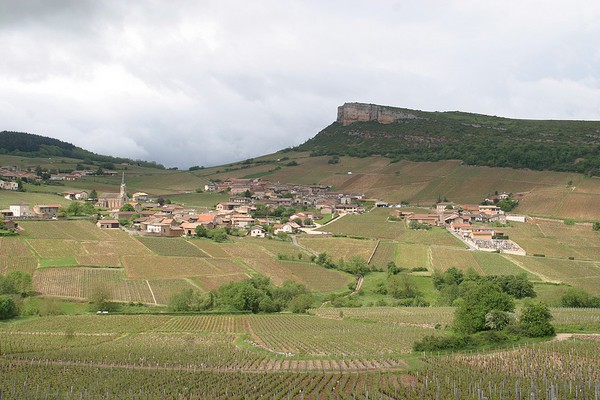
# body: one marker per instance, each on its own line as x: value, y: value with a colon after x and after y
x: 30, y: 145
x: 473, y: 138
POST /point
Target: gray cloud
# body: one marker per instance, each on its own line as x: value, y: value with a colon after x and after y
x: 186, y: 82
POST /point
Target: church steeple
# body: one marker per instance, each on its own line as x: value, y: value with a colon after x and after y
x: 123, y: 191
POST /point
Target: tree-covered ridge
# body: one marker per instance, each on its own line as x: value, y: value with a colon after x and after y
x: 30, y: 145
x: 475, y: 139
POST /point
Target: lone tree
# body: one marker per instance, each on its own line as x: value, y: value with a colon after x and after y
x: 99, y: 299
x: 478, y: 299
x: 535, y: 320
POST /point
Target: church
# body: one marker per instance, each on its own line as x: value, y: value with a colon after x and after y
x: 113, y: 200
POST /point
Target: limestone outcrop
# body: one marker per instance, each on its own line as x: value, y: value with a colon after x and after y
x: 361, y: 112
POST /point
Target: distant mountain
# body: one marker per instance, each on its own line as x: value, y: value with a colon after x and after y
x: 368, y: 129
x: 30, y: 145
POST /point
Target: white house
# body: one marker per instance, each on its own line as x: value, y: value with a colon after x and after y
x: 6, y: 185
x: 257, y: 231
x: 20, y: 210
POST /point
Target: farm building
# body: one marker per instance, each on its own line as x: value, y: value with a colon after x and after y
x: 108, y: 224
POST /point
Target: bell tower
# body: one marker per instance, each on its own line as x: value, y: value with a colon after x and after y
x: 123, y: 192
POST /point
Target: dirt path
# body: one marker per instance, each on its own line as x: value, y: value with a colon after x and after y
x: 560, y: 337
x: 373, y: 252
x: 303, y: 247
x: 151, y: 291
x: 359, y: 284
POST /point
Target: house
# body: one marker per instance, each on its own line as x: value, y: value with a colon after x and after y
x: 226, y: 206
x: 139, y: 196
x: 82, y: 195
x: 441, y: 207
x: 6, y: 185
x: 20, y: 210
x: 241, y: 220
x: 462, y: 228
x: 159, y: 226
x: 240, y: 200
x: 288, y: 227
x: 470, y: 208
x: 210, y: 187
x: 348, y: 209
x: 429, y: 219
x: 516, y: 218
x: 136, y: 206
x: 206, y: 219
x: 189, y: 228
x: 46, y: 210
x: 257, y: 231
x: 490, y: 210
x: 108, y: 224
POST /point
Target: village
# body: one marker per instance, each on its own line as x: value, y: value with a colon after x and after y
x: 259, y: 208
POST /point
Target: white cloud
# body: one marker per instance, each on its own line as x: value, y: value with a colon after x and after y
x: 204, y: 83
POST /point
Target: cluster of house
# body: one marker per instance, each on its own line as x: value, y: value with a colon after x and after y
x: 446, y: 213
x: 238, y: 212
x: 11, y: 174
x: 173, y: 220
x: 288, y: 195
x: 24, y: 211
x: 460, y: 219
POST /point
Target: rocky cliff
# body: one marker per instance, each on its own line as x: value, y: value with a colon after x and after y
x: 361, y: 112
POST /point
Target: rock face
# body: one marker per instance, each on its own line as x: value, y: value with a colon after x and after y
x: 361, y: 112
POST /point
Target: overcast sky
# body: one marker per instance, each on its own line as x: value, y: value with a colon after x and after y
x: 208, y: 82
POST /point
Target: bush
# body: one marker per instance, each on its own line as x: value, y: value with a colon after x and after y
x: 535, y: 320
x: 8, y: 307
x: 437, y: 343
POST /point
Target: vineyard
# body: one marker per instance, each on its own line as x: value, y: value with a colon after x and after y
x: 340, y: 247
x: 72, y: 258
x: 279, y: 356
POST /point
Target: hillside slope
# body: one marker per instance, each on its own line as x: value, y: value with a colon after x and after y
x: 30, y: 145
x: 365, y: 129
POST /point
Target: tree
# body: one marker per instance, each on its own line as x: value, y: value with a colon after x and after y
x: 201, y: 231
x: 517, y: 286
x: 575, y: 297
x: 392, y: 268
x: 356, y: 265
x: 99, y: 299
x: 497, y: 320
x: 8, y: 308
x: 478, y: 298
x: 535, y: 320
x: 402, y: 287
x: 300, y: 303
x: 324, y: 260
x: 596, y: 226
x: 181, y: 301
x: 127, y: 207
x: 93, y: 195
x: 21, y: 282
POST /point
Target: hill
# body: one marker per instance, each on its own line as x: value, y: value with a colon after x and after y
x: 367, y: 129
x: 30, y: 145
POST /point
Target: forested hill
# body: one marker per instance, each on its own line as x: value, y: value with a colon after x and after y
x: 30, y: 145
x: 367, y: 129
